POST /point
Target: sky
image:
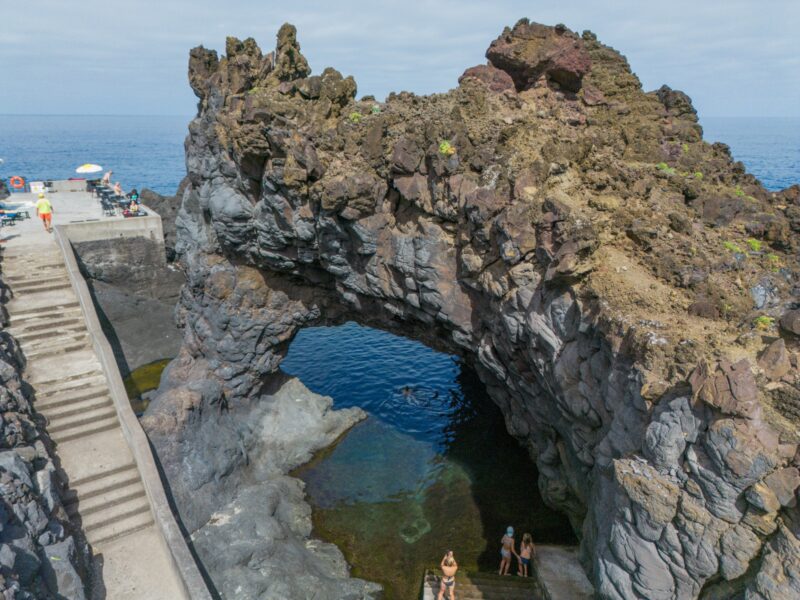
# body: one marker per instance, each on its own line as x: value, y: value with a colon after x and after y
x: 733, y: 57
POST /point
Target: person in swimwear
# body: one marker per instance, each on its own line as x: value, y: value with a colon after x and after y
x: 526, y: 552
x: 506, y: 550
x: 449, y: 567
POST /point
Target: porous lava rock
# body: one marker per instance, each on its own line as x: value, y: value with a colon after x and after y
x: 612, y: 278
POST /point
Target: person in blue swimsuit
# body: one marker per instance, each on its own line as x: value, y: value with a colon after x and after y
x: 506, y: 550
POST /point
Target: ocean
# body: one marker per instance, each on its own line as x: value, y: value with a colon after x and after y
x: 147, y: 151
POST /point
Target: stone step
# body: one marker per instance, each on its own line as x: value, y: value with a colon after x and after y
x: 70, y: 396
x: 38, y: 280
x: 67, y: 422
x: 29, y: 290
x: 27, y: 269
x: 84, y: 430
x: 117, y: 493
x: 485, y: 587
x: 98, y: 483
x: 58, y: 311
x: 107, y: 514
x: 74, y: 408
x: 25, y: 331
x: 44, y: 386
x: 61, y: 338
x: 57, y: 350
x: 37, y: 274
x: 121, y: 528
x: 40, y: 336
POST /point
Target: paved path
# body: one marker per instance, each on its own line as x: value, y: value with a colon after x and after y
x: 106, y: 496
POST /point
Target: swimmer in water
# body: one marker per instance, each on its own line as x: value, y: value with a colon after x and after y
x: 407, y: 391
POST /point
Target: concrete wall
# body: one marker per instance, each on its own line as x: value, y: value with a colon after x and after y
x: 113, y: 228
x: 183, y: 561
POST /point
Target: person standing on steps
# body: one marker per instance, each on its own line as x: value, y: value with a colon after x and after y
x: 449, y: 567
x: 526, y: 552
x: 107, y: 178
x: 45, y: 211
x: 506, y: 550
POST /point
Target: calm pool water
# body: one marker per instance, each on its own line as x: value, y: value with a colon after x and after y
x: 431, y: 469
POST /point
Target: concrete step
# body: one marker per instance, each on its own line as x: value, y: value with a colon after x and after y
x: 70, y: 396
x: 29, y: 290
x: 58, y: 311
x: 38, y: 279
x: 26, y: 330
x: 120, y: 528
x: 60, y: 338
x: 85, y: 419
x: 70, y: 409
x: 98, y: 483
x: 107, y: 514
x: 57, y: 350
x: 485, y: 587
x: 45, y: 386
x: 54, y: 270
x: 84, y: 430
x: 117, y: 493
x: 24, y: 268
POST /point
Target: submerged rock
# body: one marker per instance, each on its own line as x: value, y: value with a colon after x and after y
x: 573, y: 238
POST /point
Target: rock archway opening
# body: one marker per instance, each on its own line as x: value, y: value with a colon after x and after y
x: 432, y: 466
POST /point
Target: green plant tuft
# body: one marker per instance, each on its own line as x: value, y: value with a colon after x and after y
x: 446, y: 148
x: 731, y: 247
x: 355, y: 117
x: 755, y: 245
x: 764, y: 322
x: 685, y: 147
x: 698, y: 175
x: 665, y: 168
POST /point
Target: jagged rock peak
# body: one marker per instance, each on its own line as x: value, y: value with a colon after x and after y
x: 531, y: 51
x: 290, y: 64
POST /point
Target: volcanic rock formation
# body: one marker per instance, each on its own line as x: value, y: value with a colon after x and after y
x: 617, y: 283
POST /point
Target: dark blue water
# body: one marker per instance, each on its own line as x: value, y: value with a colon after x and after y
x: 143, y: 152
x: 770, y: 148
x: 148, y: 151
x: 432, y: 467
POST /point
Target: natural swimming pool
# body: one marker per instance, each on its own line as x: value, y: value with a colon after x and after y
x: 432, y: 468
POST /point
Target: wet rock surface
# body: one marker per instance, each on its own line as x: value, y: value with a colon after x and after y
x: 616, y: 282
x: 41, y: 556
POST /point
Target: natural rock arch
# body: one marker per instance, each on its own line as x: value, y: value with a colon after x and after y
x: 545, y: 220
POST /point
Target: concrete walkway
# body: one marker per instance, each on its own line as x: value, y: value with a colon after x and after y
x: 106, y: 496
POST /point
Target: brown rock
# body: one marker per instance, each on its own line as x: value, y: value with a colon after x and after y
x: 731, y: 388
x: 530, y: 51
x: 784, y: 483
x: 775, y: 360
x: 495, y: 79
x: 790, y: 321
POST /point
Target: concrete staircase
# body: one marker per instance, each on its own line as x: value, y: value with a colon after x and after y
x: 106, y: 496
x: 484, y: 586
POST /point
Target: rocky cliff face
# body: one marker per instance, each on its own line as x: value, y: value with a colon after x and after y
x: 626, y: 290
x: 41, y: 556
